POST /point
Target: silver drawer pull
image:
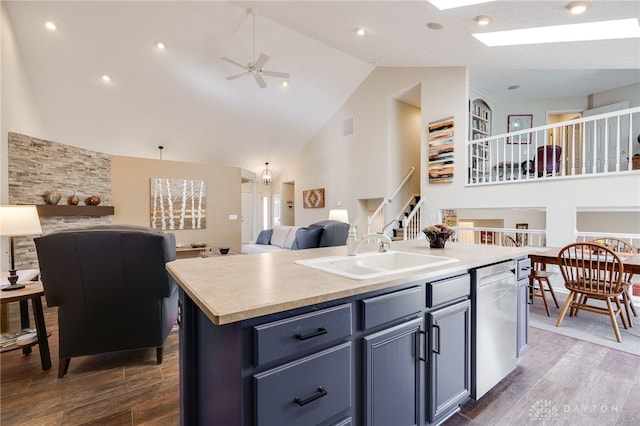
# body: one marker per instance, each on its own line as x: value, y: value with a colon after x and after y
x: 319, y: 394
x: 318, y: 332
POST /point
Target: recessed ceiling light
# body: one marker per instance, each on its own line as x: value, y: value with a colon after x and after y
x: 483, y: 19
x: 285, y: 83
x: 578, y: 7
x: 161, y: 45
x: 361, y: 31
x: 105, y: 77
x: 450, y: 4
x: 51, y: 25
x: 434, y: 26
x: 603, y: 30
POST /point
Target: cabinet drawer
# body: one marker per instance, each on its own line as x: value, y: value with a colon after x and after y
x: 444, y: 291
x: 306, y: 391
x: 523, y: 268
x: 388, y: 307
x: 301, y: 333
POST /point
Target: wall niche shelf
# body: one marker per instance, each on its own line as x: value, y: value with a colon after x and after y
x: 47, y: 210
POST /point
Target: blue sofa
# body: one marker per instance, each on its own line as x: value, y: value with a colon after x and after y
x: 326, y: 233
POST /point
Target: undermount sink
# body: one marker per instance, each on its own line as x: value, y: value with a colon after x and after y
x: 372, y: 265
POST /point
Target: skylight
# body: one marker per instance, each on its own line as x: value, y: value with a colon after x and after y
x: 603, y: 30
x: 450, y: 4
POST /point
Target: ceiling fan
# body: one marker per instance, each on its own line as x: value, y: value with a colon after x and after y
x: 254, y: 67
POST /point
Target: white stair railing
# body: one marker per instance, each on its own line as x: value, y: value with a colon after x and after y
x: 591, y: 145
x: 375, y: 222
x: 412, y: 224
x: 495, y: 236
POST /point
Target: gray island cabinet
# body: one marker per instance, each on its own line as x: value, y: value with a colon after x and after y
x: 365, y: 352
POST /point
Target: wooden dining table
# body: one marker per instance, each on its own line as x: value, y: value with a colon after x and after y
x: 549, y: 256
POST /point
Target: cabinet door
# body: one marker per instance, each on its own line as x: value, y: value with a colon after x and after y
x: 450, y: 359
x: 523, y: 318
x: 392, y: 375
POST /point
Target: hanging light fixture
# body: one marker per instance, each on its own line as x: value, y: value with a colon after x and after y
x: 267, y: 175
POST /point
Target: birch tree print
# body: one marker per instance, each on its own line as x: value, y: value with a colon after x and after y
x: 178, y: 204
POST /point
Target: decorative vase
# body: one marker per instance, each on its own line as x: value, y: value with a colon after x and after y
x: 73, y: 199
x: 437, y: 239
x: 92, y: 201
x: 52, y: 197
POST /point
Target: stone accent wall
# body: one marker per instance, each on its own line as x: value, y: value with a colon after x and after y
x: 37, y: 166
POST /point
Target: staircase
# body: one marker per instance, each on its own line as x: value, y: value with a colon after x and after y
x: 409, y: 219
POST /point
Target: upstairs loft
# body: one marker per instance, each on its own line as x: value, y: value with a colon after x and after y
x: 595, y: 145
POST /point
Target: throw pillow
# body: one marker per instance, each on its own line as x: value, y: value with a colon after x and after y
x: 264, y: 237
x: 307, y: 238
x: 279, y: 236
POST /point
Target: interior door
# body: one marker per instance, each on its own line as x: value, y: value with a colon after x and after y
x: 246, y: 230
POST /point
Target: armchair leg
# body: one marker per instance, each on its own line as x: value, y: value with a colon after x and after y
x: 159, y: 355
x: 63, y: 367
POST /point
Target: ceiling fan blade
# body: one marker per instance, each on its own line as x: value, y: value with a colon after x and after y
x: 276, y: 74
x: 233, y: 77
x: 234, y: 63
x: 260, y: 81
x: 262, y: 59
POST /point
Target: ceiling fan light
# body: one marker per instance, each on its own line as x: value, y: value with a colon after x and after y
x: 285, y: 83
x: 267, y: 175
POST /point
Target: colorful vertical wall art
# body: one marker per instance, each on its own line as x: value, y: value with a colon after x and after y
x: 440, y: 139
x: 178, y: 204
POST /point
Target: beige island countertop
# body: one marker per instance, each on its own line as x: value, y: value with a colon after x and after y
x: 234, y: 288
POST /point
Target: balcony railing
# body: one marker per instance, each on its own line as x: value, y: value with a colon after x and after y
x: 599, y: 144
x: 495, y: 236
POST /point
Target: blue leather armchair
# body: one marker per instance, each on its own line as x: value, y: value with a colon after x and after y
x: 111, y: 288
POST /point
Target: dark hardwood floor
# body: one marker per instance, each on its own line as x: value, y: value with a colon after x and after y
x: 560, y: 381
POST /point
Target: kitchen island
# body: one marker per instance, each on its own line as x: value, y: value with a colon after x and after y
x: 265, y: 341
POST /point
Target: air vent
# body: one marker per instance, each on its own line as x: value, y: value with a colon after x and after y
x: 347, y: 126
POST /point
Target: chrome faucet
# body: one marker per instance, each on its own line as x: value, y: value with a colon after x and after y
x: 393, y: 222
x: 354, y: 243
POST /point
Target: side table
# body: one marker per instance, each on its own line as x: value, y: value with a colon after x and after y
x: 33, y: 291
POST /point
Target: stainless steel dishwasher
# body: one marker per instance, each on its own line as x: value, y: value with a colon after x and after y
x: 494, y: 322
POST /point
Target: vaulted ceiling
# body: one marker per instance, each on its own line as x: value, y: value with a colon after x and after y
x: 179, y: 97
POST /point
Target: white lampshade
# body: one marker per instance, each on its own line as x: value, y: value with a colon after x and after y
x: 341, y: 215
x: 19, y: 221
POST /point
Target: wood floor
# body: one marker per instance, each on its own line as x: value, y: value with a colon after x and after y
x: 560, y: 381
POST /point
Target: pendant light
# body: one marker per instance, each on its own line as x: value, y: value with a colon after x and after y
x: 267, y: 175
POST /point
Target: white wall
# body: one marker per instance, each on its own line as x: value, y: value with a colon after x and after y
x: 357, y: 167
x: 403, y: 152
x: 18, y: 110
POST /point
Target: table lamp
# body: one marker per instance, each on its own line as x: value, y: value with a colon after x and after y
x: 17, y: 221
x: 341, y: 215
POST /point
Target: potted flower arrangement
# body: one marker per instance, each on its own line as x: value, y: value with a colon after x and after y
x: 437, y: 235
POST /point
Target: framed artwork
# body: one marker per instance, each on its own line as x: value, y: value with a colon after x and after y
x: 521, y: 237
x: 450, y: 217
x: 440, y: 150
x: 178, y: 204
x: 313, y: 198
x: 519, y: 122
